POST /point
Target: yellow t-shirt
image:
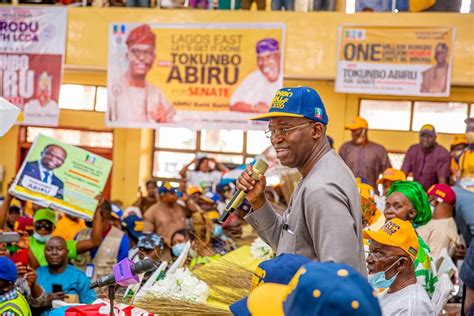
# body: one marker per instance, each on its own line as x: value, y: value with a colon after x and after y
x: 67, y: 228
x: 465, y: 170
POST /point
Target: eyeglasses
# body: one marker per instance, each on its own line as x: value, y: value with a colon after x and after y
x: 46, y: 225
x: 283, y: 131
x: 138, y: 53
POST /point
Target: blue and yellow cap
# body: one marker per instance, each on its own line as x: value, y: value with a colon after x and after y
x: 278, y: 270
x: 296, y: 102
x: 166, y: 187
x: 318, y: 288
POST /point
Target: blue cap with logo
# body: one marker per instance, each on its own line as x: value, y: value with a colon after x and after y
x: 166, y: 187
x: 296, y: 102
x: 318, y: 288
x: 133, y: 224
x: 278, y: 270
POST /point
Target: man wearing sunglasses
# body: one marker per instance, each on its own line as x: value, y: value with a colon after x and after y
x: 44, y: 223
x: 322, y: 221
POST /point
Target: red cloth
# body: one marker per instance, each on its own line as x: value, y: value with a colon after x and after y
x: 141, y: 35
x: 444, y: 192
x: 25, y: 223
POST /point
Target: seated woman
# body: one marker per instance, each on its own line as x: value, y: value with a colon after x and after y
x: 408, y: 201
x: 200, y: 236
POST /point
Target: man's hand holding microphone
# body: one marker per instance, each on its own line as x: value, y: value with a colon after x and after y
x: 251, y: 185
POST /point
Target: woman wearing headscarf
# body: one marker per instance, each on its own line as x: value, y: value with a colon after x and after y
x: 407, y: 200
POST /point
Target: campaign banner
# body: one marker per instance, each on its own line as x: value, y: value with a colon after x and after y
x: 193, y: 75
x: 411, y: 61
x: 62, y: 177
x: 32, y: 45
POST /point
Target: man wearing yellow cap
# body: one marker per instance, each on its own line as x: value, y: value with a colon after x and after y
x: 458, y: 144
x: 427, y: 161
x: 393, y: 248
x: 366, y: 159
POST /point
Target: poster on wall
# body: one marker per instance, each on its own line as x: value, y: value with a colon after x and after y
x: 411, y: 61
x: 62, y: 177
x: 193, y: 75
x: 32, y: 44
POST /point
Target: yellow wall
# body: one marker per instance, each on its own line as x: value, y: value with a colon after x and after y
x: 311, y: 37
x: 310, y: 60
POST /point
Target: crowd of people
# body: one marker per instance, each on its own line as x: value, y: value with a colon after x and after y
x: 353, y: 224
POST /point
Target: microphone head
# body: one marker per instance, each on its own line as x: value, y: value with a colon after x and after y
x: 259, y: 168
x: 143, y: 266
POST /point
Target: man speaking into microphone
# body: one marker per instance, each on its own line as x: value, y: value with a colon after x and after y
x: 322, y: 221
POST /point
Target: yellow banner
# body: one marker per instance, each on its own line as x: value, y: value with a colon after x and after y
x: 395, y: 60
x: 197, y: 75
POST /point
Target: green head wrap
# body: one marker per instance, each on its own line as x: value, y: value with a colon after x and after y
x: 417, y: 196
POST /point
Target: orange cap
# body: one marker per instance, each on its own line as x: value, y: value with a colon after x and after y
x: 396, y: 233
x: 391, y: 174
x: 356, y: 123
x: 428, y: 128
x: 366, y: 190
x: 193, y: 189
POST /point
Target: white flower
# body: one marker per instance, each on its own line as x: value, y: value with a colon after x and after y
x: 259, y: 249
x: 181, y: 285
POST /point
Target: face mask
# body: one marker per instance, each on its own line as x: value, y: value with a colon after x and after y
x: 193, y: 253
x: 379, y: 281
x: 178, y: 249
x: 432, y: 208
x: 217, y: 231
x: 40, y: 238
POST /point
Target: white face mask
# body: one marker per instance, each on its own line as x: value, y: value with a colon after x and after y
x: 432, y: 208
x: 42, y: 239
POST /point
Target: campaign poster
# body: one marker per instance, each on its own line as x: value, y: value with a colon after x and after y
x: 32, y: 45
x: 411, y: 61
x: 193, y: 75
x: 62, y: 177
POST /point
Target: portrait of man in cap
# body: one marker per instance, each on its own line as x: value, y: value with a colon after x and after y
x: 43, y: 110
x: 133, y: 100
x: 435, y: 79
x: 256, y: 91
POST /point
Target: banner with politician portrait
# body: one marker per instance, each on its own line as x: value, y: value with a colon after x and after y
x: 32, y: 45
x: 412, y: 61
x: 193, y: 75
x: 62, y: 177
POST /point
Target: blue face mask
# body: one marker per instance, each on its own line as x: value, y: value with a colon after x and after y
x: 178, y: 249
x: 379, y: 281
x: 217, y: 231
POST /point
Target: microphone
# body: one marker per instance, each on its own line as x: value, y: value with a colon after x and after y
x: 257, y: 169
x: 125, y: 273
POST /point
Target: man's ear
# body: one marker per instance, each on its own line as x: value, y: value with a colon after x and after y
x: 318, y: 130
x: 403, y: 264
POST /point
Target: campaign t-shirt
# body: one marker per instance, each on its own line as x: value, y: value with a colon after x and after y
x: 412, y: 300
